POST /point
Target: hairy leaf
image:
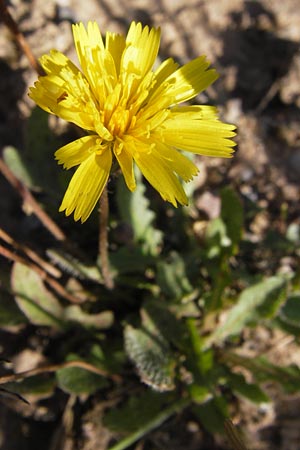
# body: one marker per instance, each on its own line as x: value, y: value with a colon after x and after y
x: 74, y: 267
x: 101, y: 320
x: 256, y: 302
x: 150, y: 353
x: 37, y: 303
x: 169, y: 326
x: 172, y: 278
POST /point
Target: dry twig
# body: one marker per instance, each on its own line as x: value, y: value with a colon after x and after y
x: 54, y: 367
x: 55, y: 285
x: 233, y: 436
x: 30, y: 254
x: 27, y: 198
x: 13, y: 27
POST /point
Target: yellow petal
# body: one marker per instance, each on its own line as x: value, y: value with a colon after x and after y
x: 141, y: 49
x: 96, y: 61
x: 158, y: 91
x: 76, y: 152
x: 55, y: 61
x: 42, y: 98
x: 86, y: 186
x: 176, y: 161
x: 115, y: 45
x: 132, y: 111
x: 165, y: 69
x: 65, y: 92
x: 125, y: 161
x: 198, y: 112
x: 50, y: 90
x: 204, y: 137
x: 187, y: 82
x: 85, y: 41
x: 159, y: 174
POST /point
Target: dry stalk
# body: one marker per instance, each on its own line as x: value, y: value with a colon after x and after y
x: 55, y: 285
x: 103, y: 241
x: 54, y: 367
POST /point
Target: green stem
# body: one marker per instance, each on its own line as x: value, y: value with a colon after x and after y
x: 219, y: 283
x: 196, y: 347
x: 153, y: 423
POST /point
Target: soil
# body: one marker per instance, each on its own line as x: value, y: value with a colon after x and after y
x: 255, y: 47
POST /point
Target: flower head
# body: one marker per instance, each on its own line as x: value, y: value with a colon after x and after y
x: 132, y: 114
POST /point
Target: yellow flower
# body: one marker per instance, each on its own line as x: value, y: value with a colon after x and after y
x: 131, y: 113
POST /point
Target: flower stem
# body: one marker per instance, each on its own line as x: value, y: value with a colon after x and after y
x: 103, y: 240
x: 233, y: 436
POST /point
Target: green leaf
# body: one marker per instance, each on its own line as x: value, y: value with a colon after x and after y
x: 39, y: 385
x: 212, y: 414
x: 75, y: 380
x: 111, y: 358
x: 221, y: 279
x: 290, y: 312
x: 172, y: 278
x: 216, y: 239
x: 16, y: 164
x: 37, y: 303
x: 285, y: 326
x: 169, y: 326
x: 134, y: 210
x: 263, y: 370
x: 40, y: 145
x: 232, y: 216
x: 288, y: 377
x: 276, y: 243
x: 150, y: 353
x: 10, y: 314
x: 174, y: 408
x: 130, y: 260
x: 74, y: 267
x: 198, y: 393
x: 255, y: 303
x: 135, y: 412
x: 251, y: 391
x: 102, y: 320
x: 293, y: 233
x: 223, y: 234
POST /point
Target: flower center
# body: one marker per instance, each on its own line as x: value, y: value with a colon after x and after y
x: 119, y: 122
x: 118, y: 114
